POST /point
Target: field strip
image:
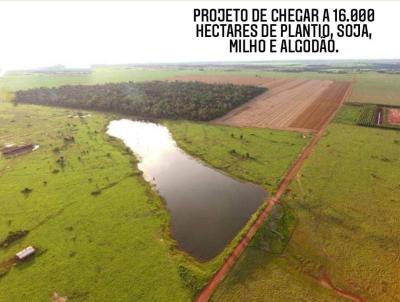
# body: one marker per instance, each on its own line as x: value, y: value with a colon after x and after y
x: 226, y: 79
x: 314, y: 115
x: 289, y: 102
x: 283, y: 85
x: 279, y: 106
x: 219, y: 276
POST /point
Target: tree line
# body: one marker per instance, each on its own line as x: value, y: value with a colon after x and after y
x: 155, y: 99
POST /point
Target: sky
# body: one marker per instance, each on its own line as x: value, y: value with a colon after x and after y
x: 79, y: 34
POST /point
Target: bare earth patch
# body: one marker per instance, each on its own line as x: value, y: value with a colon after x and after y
x: 323, y: 106
x: 293, y: 104
x: 394, y: 116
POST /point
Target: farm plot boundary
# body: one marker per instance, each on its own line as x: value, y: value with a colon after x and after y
x: 289, y: 104
x: 379, y: 116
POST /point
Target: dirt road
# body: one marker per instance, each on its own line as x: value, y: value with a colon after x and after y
x: 232, y: 259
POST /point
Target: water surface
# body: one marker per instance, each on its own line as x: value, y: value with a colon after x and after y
x: 208, y: 208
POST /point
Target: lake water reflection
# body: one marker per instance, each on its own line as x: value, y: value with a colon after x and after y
x: 208, y: 208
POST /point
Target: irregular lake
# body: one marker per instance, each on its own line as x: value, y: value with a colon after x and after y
x: 208, y: 208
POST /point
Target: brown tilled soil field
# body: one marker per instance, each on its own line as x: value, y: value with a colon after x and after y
x: 323, y: 107
x: 295, y: 104
x: 394, y: 116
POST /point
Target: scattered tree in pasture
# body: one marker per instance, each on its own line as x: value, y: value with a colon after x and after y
x: 26, y: 191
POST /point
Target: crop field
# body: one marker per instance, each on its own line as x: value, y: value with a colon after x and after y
x: 315, y: 116
x: 369, y: 87
x: 343, y: 235
x: 288, y: 104
x: 278, y: 109
x: 368, y: 116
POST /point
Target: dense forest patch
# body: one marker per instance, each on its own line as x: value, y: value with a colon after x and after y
x: 155, y: 99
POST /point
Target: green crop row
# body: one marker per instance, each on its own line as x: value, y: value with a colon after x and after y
x: 367, y: 116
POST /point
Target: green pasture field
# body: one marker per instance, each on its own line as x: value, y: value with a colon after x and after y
x: 101, y: 231
x: 345, y: 205
x: 376, y: 88
x: 103, y: 234
x: 20, y: 81
x: 349, y: 114
x: 258, y: 155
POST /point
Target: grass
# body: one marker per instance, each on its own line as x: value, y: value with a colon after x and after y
x: 349, y: 114
x: 110, y: 246
x: 261, y: 156
x: 297, y: 74
x: 20, y: 81
x: 339, y: 217
x: 261, y: 274
x: 346, y: 203
x: 86, y: 205
x: 369, y: 87
x: 377, y: 88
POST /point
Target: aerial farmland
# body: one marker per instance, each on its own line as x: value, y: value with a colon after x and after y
x: 201, y: 182
x: 288, y: 103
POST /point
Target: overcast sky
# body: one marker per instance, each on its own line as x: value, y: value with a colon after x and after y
x: 79, y: 34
